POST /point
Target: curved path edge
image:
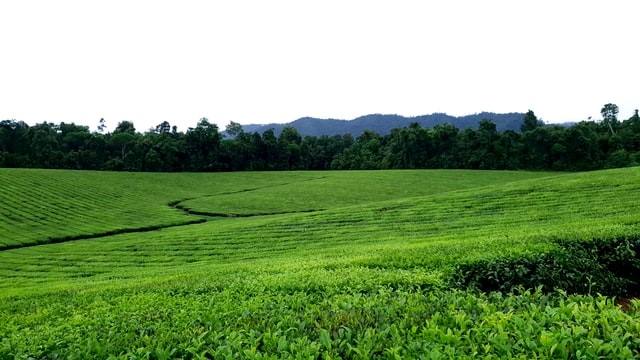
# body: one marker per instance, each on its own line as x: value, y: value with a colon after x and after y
x: 176, y: 204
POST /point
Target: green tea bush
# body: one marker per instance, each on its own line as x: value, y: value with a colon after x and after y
x: 383, y: 324
x: 390, y: 279
x: 605, y: 266
x: 48, y: 206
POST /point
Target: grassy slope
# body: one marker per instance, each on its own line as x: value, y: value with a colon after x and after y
x: 39, y: 205
x: 355, y: 281
x: 344, y: 188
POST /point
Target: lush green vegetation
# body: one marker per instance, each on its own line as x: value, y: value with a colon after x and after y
x: 383, y: 272
x: 333, y: 189
x: 587, y: 145
x: 40, y: 206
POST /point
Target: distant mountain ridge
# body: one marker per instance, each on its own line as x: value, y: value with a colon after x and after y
x: 384, y: 123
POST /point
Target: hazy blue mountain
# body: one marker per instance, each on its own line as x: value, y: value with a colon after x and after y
x: 382, y: 124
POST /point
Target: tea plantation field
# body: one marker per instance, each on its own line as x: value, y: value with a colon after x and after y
x: 43, y: 206
x: 367, y: 264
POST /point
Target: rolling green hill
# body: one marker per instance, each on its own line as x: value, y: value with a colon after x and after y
x: 42, y: 206
x: 390, y: 268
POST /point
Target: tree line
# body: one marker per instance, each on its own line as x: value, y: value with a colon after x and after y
x: 587, y: 145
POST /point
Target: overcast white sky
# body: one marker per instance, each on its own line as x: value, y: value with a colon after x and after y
x: 275, y: 61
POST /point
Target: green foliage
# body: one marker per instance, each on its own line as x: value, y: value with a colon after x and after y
x: 41, y: 206
x: 530, y: 122
x: 585, y: 146
x: 610, y: 116
x: 369, y: 277
x: 333, y: 189
x: 603, y: 266
x: 386, y: 324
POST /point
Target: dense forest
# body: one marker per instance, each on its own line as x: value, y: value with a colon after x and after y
x: 584, y: 146
x: 382, y: 124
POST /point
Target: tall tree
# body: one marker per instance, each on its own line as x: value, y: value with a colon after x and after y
x: 529, y: 121
x: 102, y: 125
x: 610, y: 116
x: 289, y: 144
x: 163, y: 128
x: 122, y: 141
x: 234, y: 129
x: 203, y: 145
x: 125, y: 127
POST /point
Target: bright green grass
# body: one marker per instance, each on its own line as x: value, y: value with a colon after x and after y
x: 432, y: 231
x: 37, y: 206
x: 358, y: 281
x: 343, y: 188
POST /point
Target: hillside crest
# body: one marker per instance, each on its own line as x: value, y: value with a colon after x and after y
x: 384, y: 123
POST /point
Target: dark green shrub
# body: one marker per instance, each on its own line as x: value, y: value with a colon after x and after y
x: 605, y: 266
